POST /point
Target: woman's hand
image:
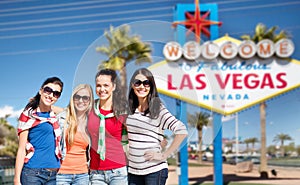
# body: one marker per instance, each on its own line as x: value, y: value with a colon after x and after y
x: 154, y: 156
x: 164, y: 143
x: 17, y: 181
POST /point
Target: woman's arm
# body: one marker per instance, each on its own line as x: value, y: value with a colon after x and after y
x: 56, y: 109
x: 177, y: 127
x: 150, y: 155
x: 20, y: 157
x: 164, y: 143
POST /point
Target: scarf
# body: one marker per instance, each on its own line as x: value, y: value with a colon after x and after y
x: 101, y: 141
x: 29, y: 119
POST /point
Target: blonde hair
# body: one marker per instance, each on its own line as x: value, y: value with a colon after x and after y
x: 71, y: 117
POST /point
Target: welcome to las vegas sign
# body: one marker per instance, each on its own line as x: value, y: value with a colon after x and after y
x: 227, y: 85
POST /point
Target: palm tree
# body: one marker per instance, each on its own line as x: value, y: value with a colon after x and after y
x: 281, y: 138
x: 247, y: 142
x: 263, y: 142
x: 229, y: 145
x: 253, y: 140
x: 261, y: 33
x: 3, y: 133
x: 123, y: 48
x: 8, y: 138
x: 199, y: 120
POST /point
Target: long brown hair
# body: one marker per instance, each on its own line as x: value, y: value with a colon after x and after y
x: 120, y: 105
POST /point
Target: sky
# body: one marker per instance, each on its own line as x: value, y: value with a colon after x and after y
x: 39, y: 39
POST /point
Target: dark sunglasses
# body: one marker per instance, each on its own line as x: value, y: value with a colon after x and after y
x: 49, y: 90
x: 77, y: 97
x: 146, y: 83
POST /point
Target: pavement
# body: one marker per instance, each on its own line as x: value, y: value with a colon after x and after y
x: 204, y: 174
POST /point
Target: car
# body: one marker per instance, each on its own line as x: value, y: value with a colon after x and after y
x: 224, y: 158
x: 255, y: 160
x: 194, y: 156
x: 236, y: 159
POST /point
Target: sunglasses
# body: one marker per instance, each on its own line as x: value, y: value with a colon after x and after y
x: 146, y: 83
x: 85, y: 99
x: 49, y: 90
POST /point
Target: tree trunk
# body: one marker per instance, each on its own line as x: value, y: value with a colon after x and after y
x: 282, y: 148
x: 263, y: 149
x: 123, y: 79
x: 200, y: 146
x: 247, y: 148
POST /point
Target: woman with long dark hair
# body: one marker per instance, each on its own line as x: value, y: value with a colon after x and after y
x: 106, y: 128
x: 38, y: 156
x: 146, y: 122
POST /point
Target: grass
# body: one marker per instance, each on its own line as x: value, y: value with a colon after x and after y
x: 295, y: 162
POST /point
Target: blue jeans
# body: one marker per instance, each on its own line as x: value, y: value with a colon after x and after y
x: 74, y: 179
x: 112, y: 177
x: 156, y: 178
x: 38, y: 176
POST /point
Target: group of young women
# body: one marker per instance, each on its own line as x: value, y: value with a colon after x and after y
x: 83, y: 143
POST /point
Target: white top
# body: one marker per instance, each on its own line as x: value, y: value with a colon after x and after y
x: 146, y: 134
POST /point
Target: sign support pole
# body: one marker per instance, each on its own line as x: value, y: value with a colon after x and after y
x: 183, y: 157
x: 179, y: 15
x: 183, y: 174
x: 217, y: 143
x: 217, y: 122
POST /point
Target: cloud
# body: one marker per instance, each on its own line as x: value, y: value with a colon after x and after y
x: 9, y: 110
x: 228, y: 118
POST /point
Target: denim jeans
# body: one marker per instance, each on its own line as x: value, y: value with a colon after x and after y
x: 112, y: 177
x: 74, y: 179
x: 38, y: 176
x: 156, y: 178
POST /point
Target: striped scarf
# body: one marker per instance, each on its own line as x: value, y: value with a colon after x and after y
x: 101, y: 141
x: 29, y: 119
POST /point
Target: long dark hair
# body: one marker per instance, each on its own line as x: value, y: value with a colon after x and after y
x: 34, y: 102
x: 153, y: 98
x: 119, y: 100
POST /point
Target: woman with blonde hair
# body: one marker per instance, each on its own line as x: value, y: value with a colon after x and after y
x: 75, y: 142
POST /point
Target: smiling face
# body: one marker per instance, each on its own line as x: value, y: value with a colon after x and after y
x: 49, y: 94
x: 104, y: 87
x: 141, y: 86
x: 82, y: 100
